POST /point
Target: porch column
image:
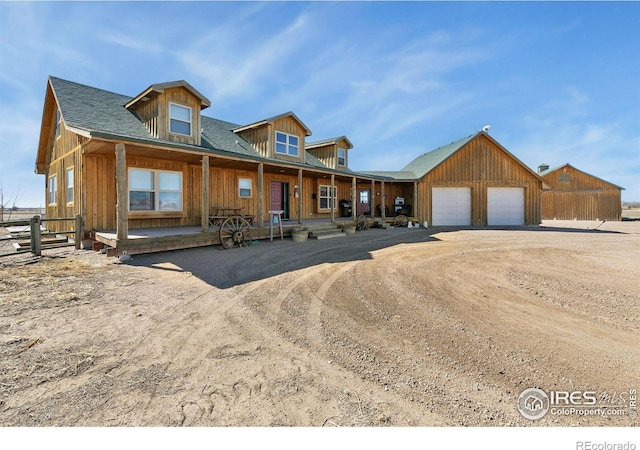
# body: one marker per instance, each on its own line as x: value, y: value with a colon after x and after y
x: 122, y: 183
x: 260, y: 218
x: 383, y: 201
x: 372, y: 199
x: 333, y: 199
x: 300, y: 197
x: 354, y: 198
x: 204, y: 221
x: 414, y: 211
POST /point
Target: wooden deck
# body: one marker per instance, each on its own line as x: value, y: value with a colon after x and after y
x: 150, y: 240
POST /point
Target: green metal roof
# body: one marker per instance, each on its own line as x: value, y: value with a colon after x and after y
x: 391, y: 174
x: 430, y: 160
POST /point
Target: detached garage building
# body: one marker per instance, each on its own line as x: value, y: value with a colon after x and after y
x: 474, y: 181
x: 577, y: 195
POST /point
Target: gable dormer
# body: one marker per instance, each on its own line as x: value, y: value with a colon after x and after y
x: 171, y: 111
x: 280, y: 137
x: 333, y: 153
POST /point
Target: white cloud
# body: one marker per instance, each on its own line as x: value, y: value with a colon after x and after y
x: 130, y: 42
x: 234, y: 61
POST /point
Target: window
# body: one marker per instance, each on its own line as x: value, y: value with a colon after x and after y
x: 53, y: 187
x: 286, y: 144
x: 244, y: 187
x: 58, y: 123
x: 364, y: 197
x: 179, y: 119
x: 564, y: 177
x: 342, y: 157
x: 326, y: 202
x: 70, y: 185
x: 155, y: 190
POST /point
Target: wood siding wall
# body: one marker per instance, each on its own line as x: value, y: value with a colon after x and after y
x: 151, y: 114
x: 100, y: 192
x: 328, y: 154
x: 263, y: 138
x: 154, y: 113
x: 478, y: 165
x: 183, y: 97
x: 65, y: 153
x: 584, y: 205
x: 259, y: 139
x: 583, y: 197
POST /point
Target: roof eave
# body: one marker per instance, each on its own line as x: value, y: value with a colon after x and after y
x: 270, y: 120
x: 160, y: 87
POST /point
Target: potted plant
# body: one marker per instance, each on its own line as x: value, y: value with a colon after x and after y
x: 300, y: 234
x: 349, y: 228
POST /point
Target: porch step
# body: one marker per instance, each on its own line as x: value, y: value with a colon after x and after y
x: 325, y: 231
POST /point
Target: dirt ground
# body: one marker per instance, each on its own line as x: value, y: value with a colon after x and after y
x: 398, y: 327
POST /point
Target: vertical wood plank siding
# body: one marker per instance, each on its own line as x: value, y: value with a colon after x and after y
x: 478, y: 165
x: 583, y: 197
x: 66, y: 153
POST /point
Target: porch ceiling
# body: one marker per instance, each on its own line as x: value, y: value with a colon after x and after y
x: 107, y: 148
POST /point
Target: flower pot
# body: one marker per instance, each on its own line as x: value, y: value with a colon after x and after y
x: 349, y: 229
x: 299, y: 235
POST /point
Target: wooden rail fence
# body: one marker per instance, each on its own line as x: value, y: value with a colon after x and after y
x: 35, y: 234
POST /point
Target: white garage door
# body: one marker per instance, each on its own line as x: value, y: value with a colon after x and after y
x: 505, y: 206
x: 451, y: 206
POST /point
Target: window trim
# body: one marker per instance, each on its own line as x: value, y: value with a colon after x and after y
x: 69, y: 186
x: 52, y: 190
x: 343, y: 157
x: 328, y: 197
x: 240, y: 188
x: 58, y: 123
x: 156, y: 192
x: 190, y: 122
x: 287, y: 144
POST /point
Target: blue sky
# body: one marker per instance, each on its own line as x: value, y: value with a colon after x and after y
x: 558, y: 82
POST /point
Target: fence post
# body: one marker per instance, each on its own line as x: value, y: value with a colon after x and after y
x: 79, y: 231
x: 36, y: 237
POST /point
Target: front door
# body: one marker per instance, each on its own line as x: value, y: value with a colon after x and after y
x: 280, y: 198
x: 363, y: 202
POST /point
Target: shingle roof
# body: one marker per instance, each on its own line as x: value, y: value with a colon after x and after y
x: 97, y: 111
x: 430, y: 160
x: 217, y: 134
x: 91, y: 109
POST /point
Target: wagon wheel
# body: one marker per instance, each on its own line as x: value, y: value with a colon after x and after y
x: 362, y: 223
x: 400, y: 221
x: 235, y: 230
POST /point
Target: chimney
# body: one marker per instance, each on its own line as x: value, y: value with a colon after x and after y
x: 542, y: 167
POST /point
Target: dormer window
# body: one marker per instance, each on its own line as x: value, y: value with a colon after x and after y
x: 342, y: 157
x: 286, y: 144
x: 179, y: 119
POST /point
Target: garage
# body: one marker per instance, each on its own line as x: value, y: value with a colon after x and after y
x: 451, y: 206
x: 505, y: 206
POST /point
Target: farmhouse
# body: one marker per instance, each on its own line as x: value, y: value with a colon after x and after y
x: 128, y: 165
x: 473, y: 181
x: 577, y: 195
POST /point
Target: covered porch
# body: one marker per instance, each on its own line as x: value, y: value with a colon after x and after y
x: 215, y: 186
x: 158, y: 239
